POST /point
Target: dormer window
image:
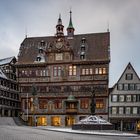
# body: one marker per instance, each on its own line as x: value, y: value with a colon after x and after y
x: 82, y: 55
x: 83, y: 48
x: 38, y: 59
x: 83, y: 40
x: 40, y: 50
x: 42, y: 43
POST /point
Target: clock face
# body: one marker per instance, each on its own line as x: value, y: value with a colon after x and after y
x: 59, y: 45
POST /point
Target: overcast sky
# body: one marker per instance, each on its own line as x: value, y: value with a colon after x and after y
x: 39, y: 18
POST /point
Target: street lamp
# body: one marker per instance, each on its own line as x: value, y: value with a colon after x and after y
x: 34, y: 93
x: 93, y: 103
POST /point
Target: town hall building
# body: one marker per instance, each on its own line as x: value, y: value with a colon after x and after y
x: 58, y: 75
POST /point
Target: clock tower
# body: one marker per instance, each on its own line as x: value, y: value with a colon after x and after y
x: 59, y: 28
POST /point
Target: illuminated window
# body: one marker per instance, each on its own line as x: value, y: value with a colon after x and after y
x: 87, y: 71
x: 90, y: 71
x: 72, y: 70
x: 99, y: 104
x: 83, y: 71
x: 100, y: 70
x: 84, y: 103
x: 96, y: 70
x: 104, y: 71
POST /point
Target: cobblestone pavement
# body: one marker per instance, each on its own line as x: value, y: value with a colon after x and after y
x: 29, y: 133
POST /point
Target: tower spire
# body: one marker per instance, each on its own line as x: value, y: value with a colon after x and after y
x: 70, y: 28
x: 59, y: 27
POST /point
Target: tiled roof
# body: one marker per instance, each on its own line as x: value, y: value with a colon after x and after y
x: 97, y: 47
x: 6, y: 60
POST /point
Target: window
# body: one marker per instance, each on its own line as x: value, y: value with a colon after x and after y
x: 114, y: 98
x: 83, y: 47
x: 38, y: 58
x: 104, y: 71
x: 137, y: 86
x: 43, y: 103
x: 84, y: 103
x: 96, y: 70
x: 128, y: 110
x: 128, y: 98
x: 83, y: 40
x: 121, y: 110
x: 121, y: 98
x: 58, y: 56
x: 57, y: 70
x: 58, y: 104
x: 114, y: 110
x: 135, y: 110
x: 90, y: 71
x: 82, y: 56
x: 87, y: 71
x: 99, y: 104
x: 42, y: 43
x: 120, y: 86
x: 131, y: 86
x: 125, y: 86
x: 134, y: 98
x: 100, y: 71
x: 72, y: 70
x: 129, y: 76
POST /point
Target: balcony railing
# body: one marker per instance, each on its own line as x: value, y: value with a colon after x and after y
x: 71, y: 110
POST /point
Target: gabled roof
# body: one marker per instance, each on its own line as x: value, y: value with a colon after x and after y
x: 6, y: 60
x: 132, y: 69
x: 2, y: 75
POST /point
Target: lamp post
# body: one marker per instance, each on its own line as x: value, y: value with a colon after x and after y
x: 93, y: 104
x: 34, y: 93
x: 27, y: 107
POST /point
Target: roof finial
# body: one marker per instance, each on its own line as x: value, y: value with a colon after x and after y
x: 70, y: 29
x: 26, y: 32
x: 108, y: 26
x: 59, y: 20
x: 70, y: 22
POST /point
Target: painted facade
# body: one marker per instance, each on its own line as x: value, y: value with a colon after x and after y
x: 65, y: 70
